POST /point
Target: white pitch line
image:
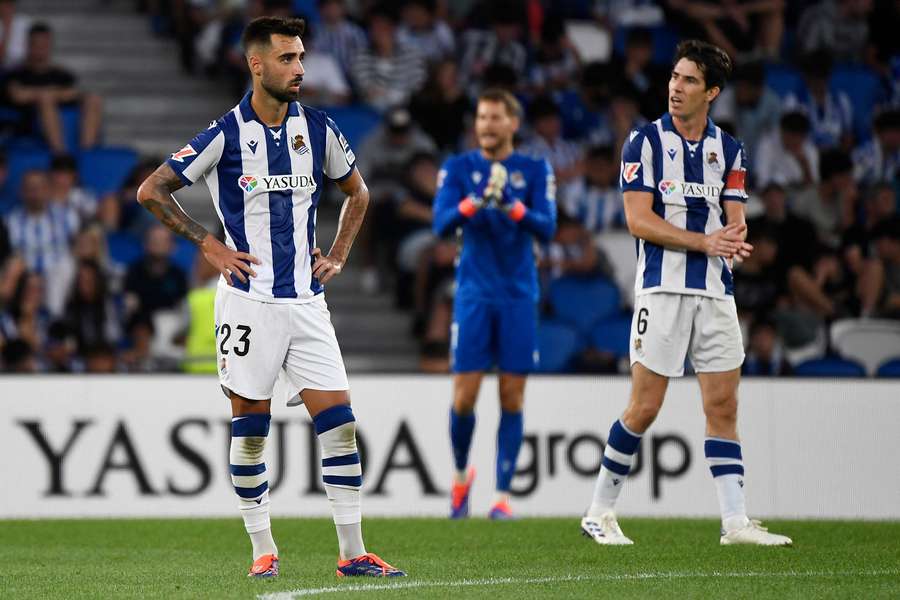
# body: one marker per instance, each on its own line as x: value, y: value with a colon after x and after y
x: 405, y: 585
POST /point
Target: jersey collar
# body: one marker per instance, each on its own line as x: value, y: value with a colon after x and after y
x: 248, y: 114
x: 668, y: 125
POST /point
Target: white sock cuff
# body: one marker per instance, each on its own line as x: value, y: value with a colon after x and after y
x: 256, y: 516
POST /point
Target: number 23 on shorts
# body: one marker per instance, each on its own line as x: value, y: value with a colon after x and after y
x: 242, y: 347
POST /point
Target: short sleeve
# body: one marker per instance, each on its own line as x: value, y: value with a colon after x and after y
x: 636, y: 172
x: 339, y: 157
x: 200, y: 155
x: 736, y: 178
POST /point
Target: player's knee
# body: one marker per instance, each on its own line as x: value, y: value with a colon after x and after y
x: 512, y: 401
x: 464, y: 398
x: 722, y: 408
x: 463, y: 405
x: 641, y: 413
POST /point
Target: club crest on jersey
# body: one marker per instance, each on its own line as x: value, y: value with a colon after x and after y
x: 713, y: 159
x: 516, y: 179
x: 476, y: 177
x: 184, y: 153
x: 248, y: 183
x: 298, y: 145
x: 630, y: 171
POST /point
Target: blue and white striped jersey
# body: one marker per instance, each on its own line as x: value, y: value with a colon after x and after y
x: 43, y: 239
x: 266, y: 183
x: 689, y: 182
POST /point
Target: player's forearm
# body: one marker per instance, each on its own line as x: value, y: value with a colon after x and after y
x: 654, y: 229
x: 734, y: 214
x: 540, y: 224
x: 446, y: 220
x: 155, y: 194
x: 352, y: 214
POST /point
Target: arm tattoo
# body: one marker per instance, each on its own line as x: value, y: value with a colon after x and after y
x: 155, y: 194
x: 352, y: 214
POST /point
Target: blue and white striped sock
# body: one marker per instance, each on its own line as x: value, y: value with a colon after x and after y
x: 342, y: 475
x: 617, y: 460
x: 250, y: 479
x: 727, y: 467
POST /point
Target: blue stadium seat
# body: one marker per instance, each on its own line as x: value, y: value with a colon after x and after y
x: 70, y: 116
x: 309, y: 10
x: 124, y: 248
x: 583, y: 302
x: 184, y: 255
x: 613, y: 335
x: 890, y: 368
x: 864, y: 89
x: 783, y: 79
x: 355, y: 121
x: 19, y: 160
x: 558, y: 344
x: 830, y: 366
x: 104, y: 170
x: 665, y: 39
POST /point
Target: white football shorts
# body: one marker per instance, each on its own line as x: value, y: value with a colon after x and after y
x: 256, y: 340
x: 668, y: 327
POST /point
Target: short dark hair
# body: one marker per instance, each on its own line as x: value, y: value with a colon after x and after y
x: 795, y: 122
x: 889, y: 228
x: 513, y: 107
x: 261, y: 29
x: 834, y: 162
x: 543, y: 106
x: 15, y: 352
x: 752, y: 72
x: 639, y: 36
x: 888, y: 119
x: 39, y: 27
x: 600, y: 151
x: 713, y: 62
x: 63, y: 162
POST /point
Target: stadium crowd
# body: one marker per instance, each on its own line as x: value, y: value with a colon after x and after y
x: 815, y: 97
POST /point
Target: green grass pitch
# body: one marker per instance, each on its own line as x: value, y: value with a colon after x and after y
x: 544, y: 558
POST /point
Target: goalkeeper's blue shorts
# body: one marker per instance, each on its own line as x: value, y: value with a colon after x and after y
x: 487, y: 334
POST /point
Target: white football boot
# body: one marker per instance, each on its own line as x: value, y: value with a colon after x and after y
x: 753, y: 533
x: 604, y: 530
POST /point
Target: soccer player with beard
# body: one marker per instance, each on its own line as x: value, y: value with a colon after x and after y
x: 683, y: 183
x: 499, y: 202
x: 266, y: 162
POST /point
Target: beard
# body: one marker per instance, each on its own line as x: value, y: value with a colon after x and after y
x: 281, y: 94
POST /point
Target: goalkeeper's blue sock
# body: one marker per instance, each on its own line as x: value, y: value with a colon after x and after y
x: 727, y: 467
x: 617, y: 460
x: 509, y: 441
x: 251, y: 480
x: 461, y: 428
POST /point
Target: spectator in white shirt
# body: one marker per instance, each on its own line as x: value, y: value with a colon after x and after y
x: 13, y: 34
x: 788, y: 156
x: 879, y: 160
x: 422, y: 30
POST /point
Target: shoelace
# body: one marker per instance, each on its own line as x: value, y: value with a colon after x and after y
x: 756, y: 524
x: 611, y: 524
x: 374, y: 560
x: 594, y: 529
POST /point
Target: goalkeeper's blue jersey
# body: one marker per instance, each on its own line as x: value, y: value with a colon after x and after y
x: 497, y: 255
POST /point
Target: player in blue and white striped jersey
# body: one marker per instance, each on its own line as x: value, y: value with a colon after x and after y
x: 266, y: 162
x: 683, y: 184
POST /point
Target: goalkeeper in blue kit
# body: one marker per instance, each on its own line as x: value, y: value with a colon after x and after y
x: 498, y: 202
